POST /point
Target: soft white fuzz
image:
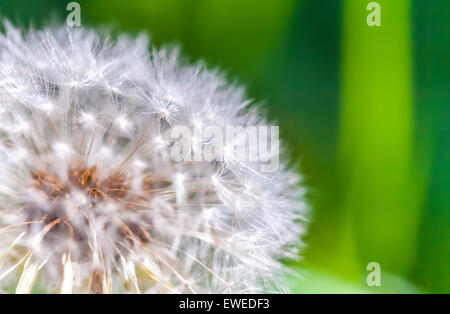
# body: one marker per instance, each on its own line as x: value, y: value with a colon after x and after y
x: 90, y: 198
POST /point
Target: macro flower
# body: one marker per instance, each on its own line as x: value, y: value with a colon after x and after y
x: 91, y: 198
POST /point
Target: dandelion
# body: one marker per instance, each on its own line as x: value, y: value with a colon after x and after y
x: 90, y: 199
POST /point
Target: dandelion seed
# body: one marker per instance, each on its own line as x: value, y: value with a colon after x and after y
x: 90, y: 200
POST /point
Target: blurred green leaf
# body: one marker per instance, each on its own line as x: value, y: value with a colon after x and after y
x: 433, y: 137
x: 380, y: 199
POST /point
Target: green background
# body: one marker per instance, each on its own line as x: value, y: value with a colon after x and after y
x: 364, y: 110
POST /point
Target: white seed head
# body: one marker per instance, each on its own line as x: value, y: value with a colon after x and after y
x: 90, y: 198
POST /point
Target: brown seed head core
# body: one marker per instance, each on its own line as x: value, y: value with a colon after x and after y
x: 86, y: 179
x: 68, y: 229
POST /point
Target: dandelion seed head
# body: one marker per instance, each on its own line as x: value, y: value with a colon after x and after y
x: 90, y: 199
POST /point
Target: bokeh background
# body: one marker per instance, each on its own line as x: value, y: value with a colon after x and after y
x: 364, y: 110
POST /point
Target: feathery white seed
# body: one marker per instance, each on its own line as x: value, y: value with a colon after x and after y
x: 89, y: 196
